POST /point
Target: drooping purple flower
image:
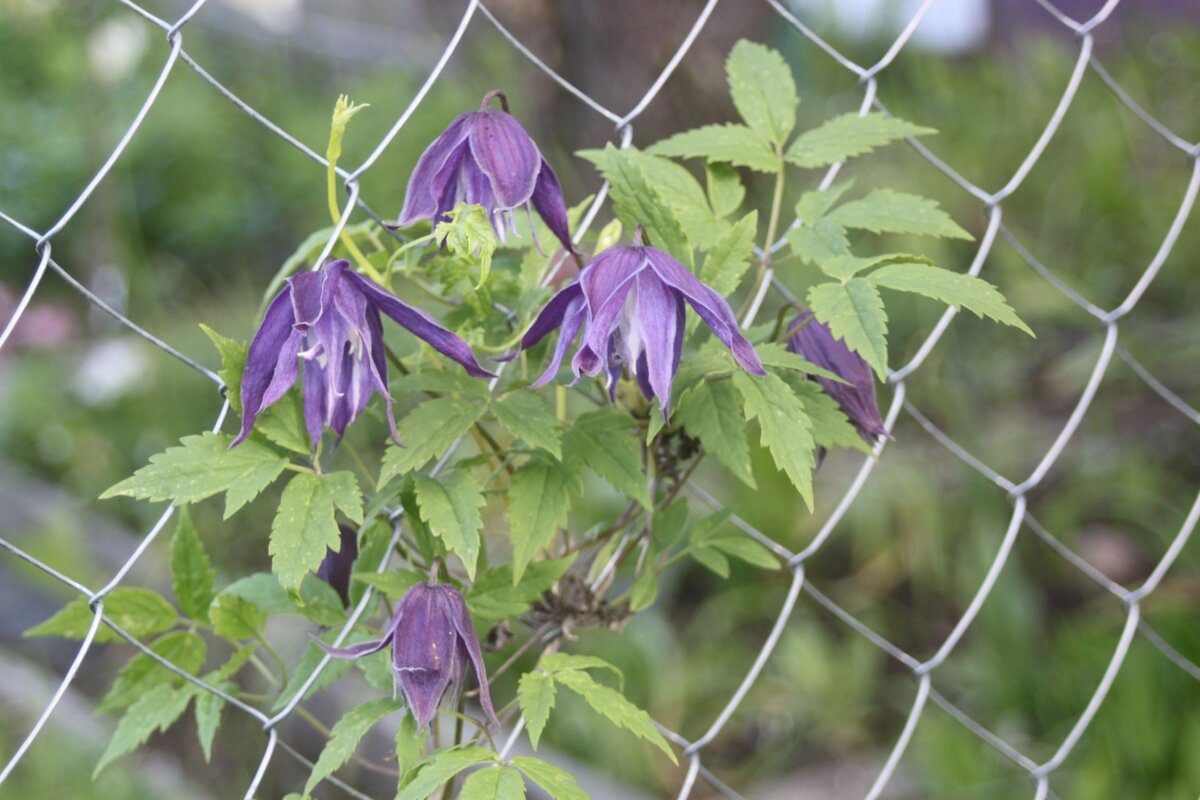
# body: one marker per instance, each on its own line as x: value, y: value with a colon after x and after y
x: 814, y: 341
x: 432, y: 639
x: 329, y: 320
x: 629, y: 301
x: 485, y: 158
x: 335, y: 569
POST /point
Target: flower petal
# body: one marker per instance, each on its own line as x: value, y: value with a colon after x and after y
x: 420, y: 324
x: 606, y: 282
x: 316, y: 401
x: 467, y: 637
x: 572, y: 320
x: 355, y: 651
x: 262, y: 359
x: 429, y: 177
x: 548, y: 201
x: 506, y: 154
x: 660, y: 319
x: 552, y: 314
x: 815, y: 342
x: 711, y: 307
x: 336, y: 567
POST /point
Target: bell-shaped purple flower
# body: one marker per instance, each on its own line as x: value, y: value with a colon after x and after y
x: 629, y: 301
x: 337, y: 566
x: 329, y: 320
x: 814, y: 341
x: 432, y: 640
x: 485, y: 158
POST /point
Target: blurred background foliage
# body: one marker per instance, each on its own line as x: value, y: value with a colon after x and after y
x: 206, y: 205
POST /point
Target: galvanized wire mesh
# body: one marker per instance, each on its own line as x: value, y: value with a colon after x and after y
x: 1016, y: 490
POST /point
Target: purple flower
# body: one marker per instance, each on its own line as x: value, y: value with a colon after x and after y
x: 630, y: 302
x: 335, y: 569
x: 432, y: 638
x: 814, y: 341
x: 485, y: 158
x: 329, y: 319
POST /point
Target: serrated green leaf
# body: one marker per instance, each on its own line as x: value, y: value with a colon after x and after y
x: 192, y: 573
x: 316, y: 601
x: 203, y: 466
x: 725, y: 189
x: 536, y: 694
x: 854, y: 312
x: 467, y: 232
x: 305, y: 524
x: 604, y: 441
x: 637, y: 201
x: 952, y: 288
x: 559, y: 661
x: 736, y: 145
x: 345, y: 736
x: 450, y: 504
x: 556, y: 782
x: 184, y: 649
x: 428, y: 432
x: 233, y: 363
x: 441, y: 767
x: 530, y: 416
x: 394, y: 583
x: 887, y: 211
x: 410, y: 744
x: 234, y: 618
x: 776, y: 356
x: 729, y: 258
x: 849, y: 135
x: 208, y: 709
x: 762, y: 89
x: 539, y: 501
x: 712, y: 412
x: 494, y: 596
x: 785, y: 429
x: 815, y: 204
x: 493, y: 783
x: 844, y: 267
x: 830, y: 426
x: 283, y: 424
x: 139, y: 612
x: 613, y: 706
x: 434, y: 381
x: 154, y: 711
x: 818, y: 242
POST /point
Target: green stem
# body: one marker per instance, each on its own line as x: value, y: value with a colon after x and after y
x: 275, y: 657
x: 764, y: 261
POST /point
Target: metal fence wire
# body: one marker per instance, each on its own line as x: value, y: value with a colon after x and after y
x: 1017, y: 490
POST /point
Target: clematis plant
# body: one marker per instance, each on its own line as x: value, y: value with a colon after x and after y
x: 629, y: 301
x: 338, y: 564
x: 432, y: 639
x: 329, y: 320
x: 814, y: 341
x: 485, y: 158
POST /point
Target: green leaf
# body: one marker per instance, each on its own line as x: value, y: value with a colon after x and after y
x: 305, y: 524
x: 637, y: 201
x: 815, y: 204
x: 428, y: 432
x: 849, y: 135
x: 819, y: 242
x: 854, y: 311
x: 736, y: 145
x: 556, y: 782
x: 952, y: 288
x: 725, y: 190
x: 845, y: 266
x: 345, y: 737
x: 493, y: 783
x: 559, y: 662
x: 395, y: 584
x: 283, y: 424
x: 234, y: 618
x: 468, y: 233
x: 713, y: 533
x: 410, y: 744
x: 154, y: 711
x: 450, y: 504
x: 192, y: 573
x: 613, y: 706
x: 530, y: 416
x: 539, y: 500
x: 184, y: 649
x: 644, y: 591
x: 316, y: 600
x: 778, y: 357
x: 762, y: 89
x: 711, y: 558
x: 712, y: 412
x: 208, y: 718
x: 536, y: 693
x: 308, y: 662
x: 203, y: 466
x: 785, y: 429
x: 233, y: 363
x: 669, y: 524
x: 441, y: 767
x: 604, y: 441
x: 830, y: 426
x: 886, y: 211
x: 139, y: 612
x: 495, y: 596
x: 729, y: 257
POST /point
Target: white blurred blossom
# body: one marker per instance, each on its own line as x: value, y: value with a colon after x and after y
x: 116, y: 47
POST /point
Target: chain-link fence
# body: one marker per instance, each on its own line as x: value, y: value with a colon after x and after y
x: 924, y: 668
